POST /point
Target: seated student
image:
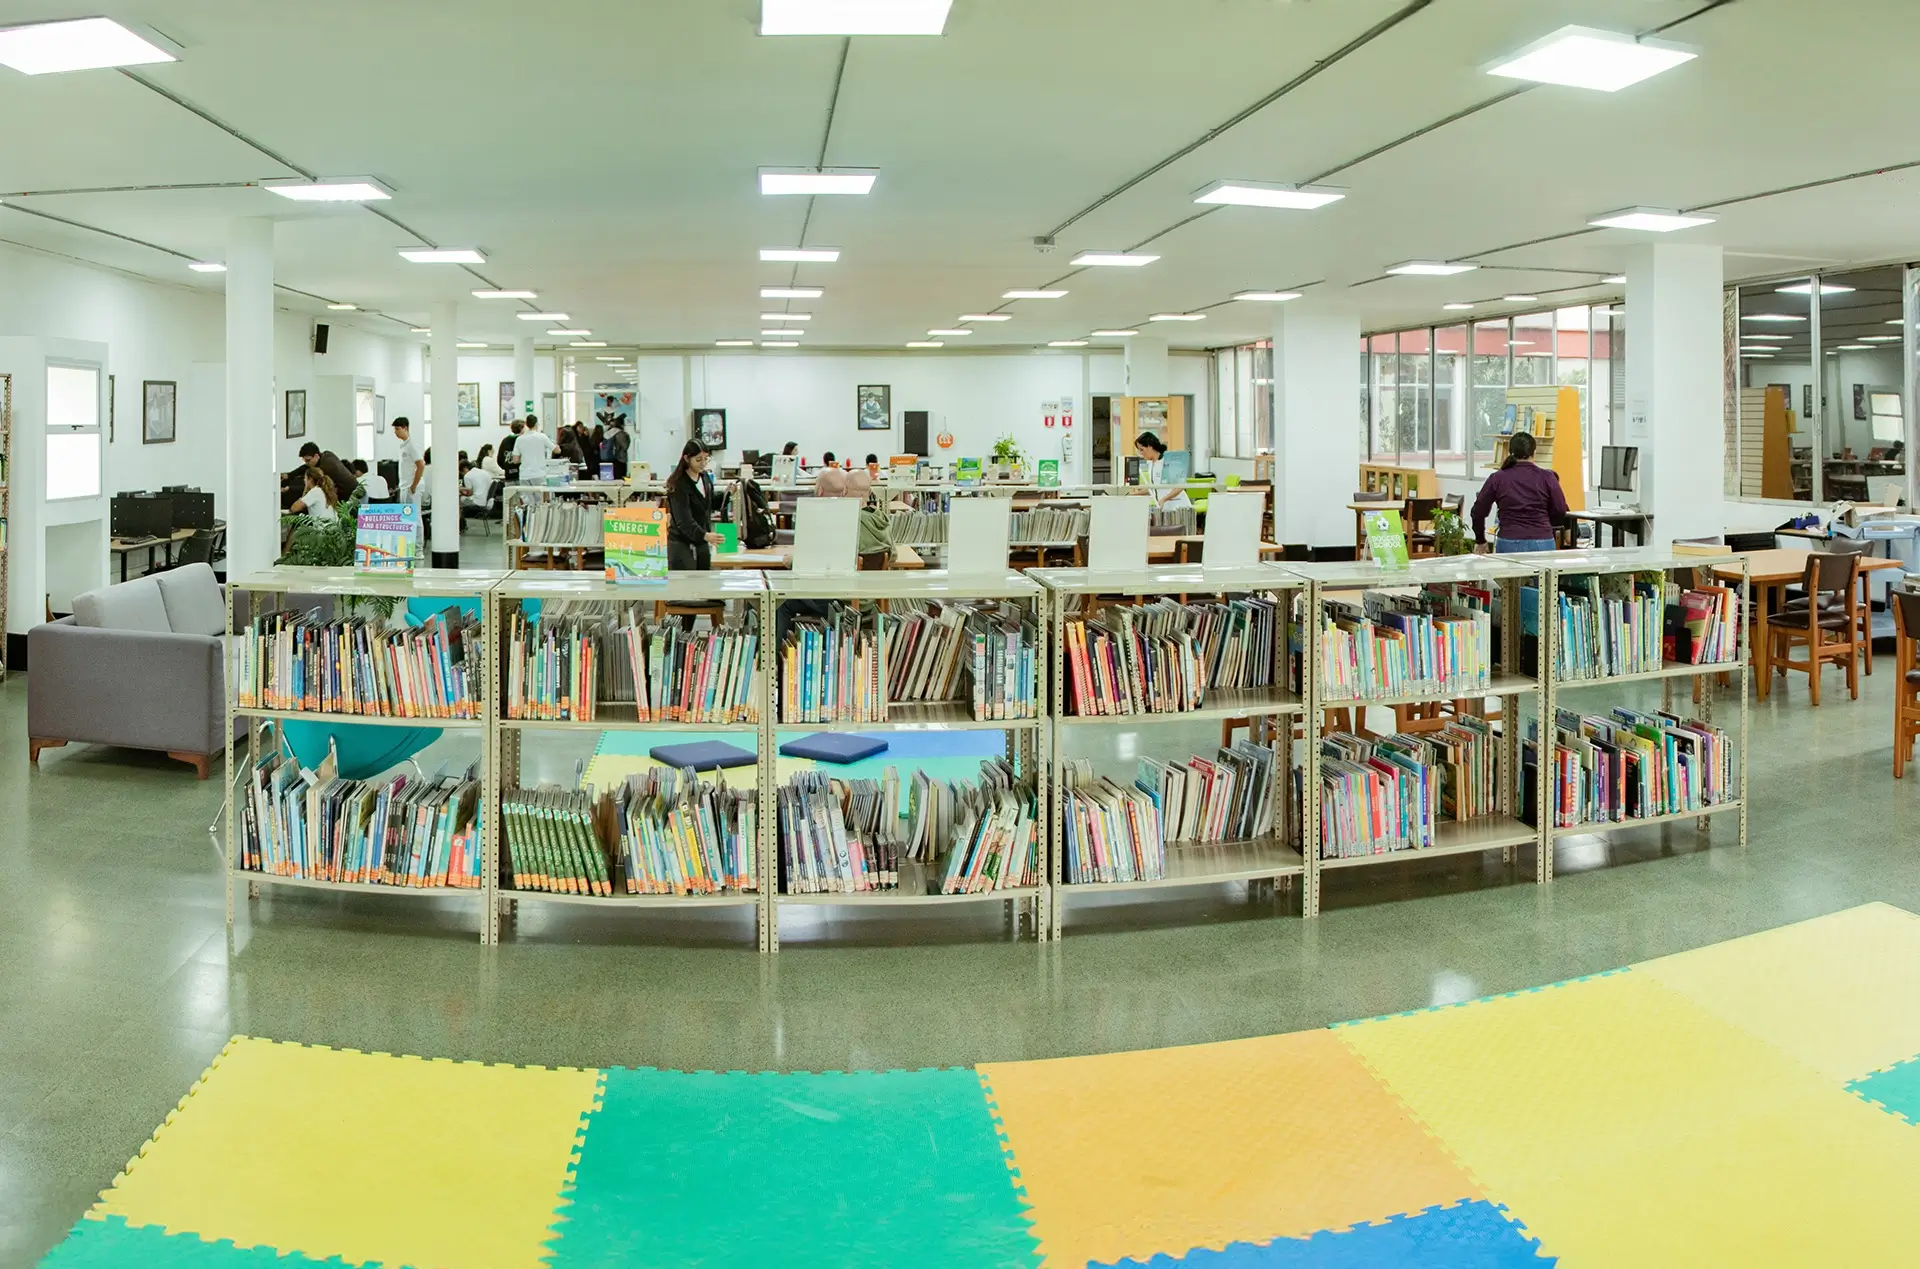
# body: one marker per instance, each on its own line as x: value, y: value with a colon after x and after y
x: 373, y: 486
x: 319, y: 499
x: 875, y: 543
x: 477, y: 483
x: 828, y: 460
x: 329, y: 463
x: 873, y: 466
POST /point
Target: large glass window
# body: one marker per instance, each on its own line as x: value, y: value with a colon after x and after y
x: 1492, y: 360
x: 1384, y: 350
x: 1450, y: 391
x: 73, y: 432
x: 1533, y: 341
x: 1416, y: 398
x: 1243, y: 426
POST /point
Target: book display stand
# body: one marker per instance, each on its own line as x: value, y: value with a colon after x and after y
x: 1073, y: 596
x: 269, y: 593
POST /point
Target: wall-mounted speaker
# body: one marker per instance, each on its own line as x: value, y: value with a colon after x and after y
x: 320, y: 338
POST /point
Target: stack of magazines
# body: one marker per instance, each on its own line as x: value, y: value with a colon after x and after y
x: 1109, y: 833
x: 556, y: 522
x: 682, y: 835
x: 292, y: 661
x: 705, y: 674
x: 995, y: 844
x: 919, y: 528
x: 1052, y: 525
x: 1163, y: 657
x: 391, y: 831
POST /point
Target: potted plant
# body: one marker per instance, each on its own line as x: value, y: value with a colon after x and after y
x: 1449, y: 534
x: 1006, y: 456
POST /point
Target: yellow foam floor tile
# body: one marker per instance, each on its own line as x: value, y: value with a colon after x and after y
x: 1841, y: 992
x: 1164, y: 1151
x: 1622, y: 1124
x: 363, y: 1156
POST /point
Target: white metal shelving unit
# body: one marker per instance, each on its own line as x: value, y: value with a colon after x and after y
x: 747, y: 587
x: 1026, y: 738
x: 1262, y: 860
x: 451, y: 584
x: 1557, y: 564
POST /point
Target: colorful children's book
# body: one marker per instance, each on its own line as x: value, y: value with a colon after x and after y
x: 636, y: 546
x: 966, y: 471
x: 387, y: 539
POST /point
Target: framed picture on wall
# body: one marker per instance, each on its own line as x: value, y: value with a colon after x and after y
x: 507, y: 412
x: 161, y: 396
x: 710, y: 428
x: 873, y: 407
x: 296, y: 413
x: 1859, y: 402
x: 466, y: 404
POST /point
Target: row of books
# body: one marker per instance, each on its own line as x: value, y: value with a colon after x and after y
x: 558, y: 522
x: 1610, y: 624
x: 393, y: 831
x: 919, y: 528
x: 1710, y: 623
x: 1110, y: 832
x: 1398, y: 643
x: 1049, y: 524
x: 565, y: 667
x: 300, y: 661
x: 995, y: 844
x: 1630, y: 765
x: 1163, y: 657
x: 984, y: 651
x: 1226, y: 798
x: 661, y: 832
x: 1386, y: 794
x: 830, y: 669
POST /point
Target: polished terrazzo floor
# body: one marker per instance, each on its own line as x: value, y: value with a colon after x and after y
x: 119, y: 980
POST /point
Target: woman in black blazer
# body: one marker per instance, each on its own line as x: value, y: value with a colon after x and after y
x: 690, y: 535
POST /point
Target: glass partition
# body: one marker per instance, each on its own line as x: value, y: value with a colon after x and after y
x: 1862, y: 421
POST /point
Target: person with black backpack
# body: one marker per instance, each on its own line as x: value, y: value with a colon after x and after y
x: 751, y: 512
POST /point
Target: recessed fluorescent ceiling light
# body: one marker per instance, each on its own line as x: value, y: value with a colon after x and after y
x: 1034, y: 295
x: 853, y: 17
x: 949, y: 330
x: 1268, y: 297
x: 1456, y: 307
x: 575, y: 331
x: 1853, y: 348
x: 1114, y: 334
x: 589, y: 343
x: 207, y: 266
x: 1584, y: 57
x: 1653, y: 220
x: 1520, y: 299
x: 778, y: 343
x: 1753, y: 356
x: 544, y: 317
x: 775, y: 181
x: 504, y: 295
x: 1112, y: 259
x: 786, y: 317
x: 421, y: 330
x: 344, y: 308
x: 1879, y: 339
x: 986, y: 317
x: 1066, y: 343
x: 1178, y: 317
x: 1430, y: 268
x: 443, y: 255
x: 799, y: 255
x: 615, y: 360
x: 782, y: 334
x: 1759, y: 335
x: 469, y: 345
x: 1618, y: 279
x: 733, y: 343
x: 791, y: 292
x: 1266, y: 194
x: 925, y: 343
x: 331, y: 189
x: 80, y: 44
x: 1771, y: 317
x: 1806, y: 288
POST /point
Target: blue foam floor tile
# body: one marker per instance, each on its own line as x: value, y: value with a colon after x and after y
x: 1895, y: 1090
x: 113, y: 1244
x: 1471, y: 1235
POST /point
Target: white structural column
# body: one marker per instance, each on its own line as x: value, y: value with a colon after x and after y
x: 443, y: 477
x: 526, y: 393
x: 1676, y: 390
x: 253, y: 492
x: 1147, y: 374
x: 1316, y: 424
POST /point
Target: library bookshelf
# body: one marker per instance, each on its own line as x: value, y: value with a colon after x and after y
x: 1025, y: 738
x: 269, y: 592
x: 1599, y: 691
x: 600, y: 494
x: 1075, y: 592
x: 585, y: 593
x: 1503, y: 830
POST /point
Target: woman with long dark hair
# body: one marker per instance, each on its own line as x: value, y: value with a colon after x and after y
x: 690, y: 535
x: 1529, y: 498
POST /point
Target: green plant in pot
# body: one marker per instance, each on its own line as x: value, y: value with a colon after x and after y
x: 1006, y: 453
x: 1450, y: 533
x: 315, y: 543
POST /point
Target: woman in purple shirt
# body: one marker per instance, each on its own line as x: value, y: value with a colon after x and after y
x: 1529, y: 498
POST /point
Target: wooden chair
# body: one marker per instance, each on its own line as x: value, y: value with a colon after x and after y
x: 1906, y: 688
x: 1829, y: 626
x: 1417, y: 518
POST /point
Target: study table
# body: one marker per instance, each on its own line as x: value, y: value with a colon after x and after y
x: 125, y: 547
x: 1770, y: 573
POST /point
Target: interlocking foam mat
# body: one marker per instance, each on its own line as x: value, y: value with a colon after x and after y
x: 1750, y: 1103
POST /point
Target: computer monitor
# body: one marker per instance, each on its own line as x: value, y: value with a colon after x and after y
x: 140, y: 516
x: 1619, y: 468
x: 192, y: 509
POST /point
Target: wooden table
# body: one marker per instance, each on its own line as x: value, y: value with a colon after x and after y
x: 125, y: 547
x: 1771, y: 572
x: 779, y: 558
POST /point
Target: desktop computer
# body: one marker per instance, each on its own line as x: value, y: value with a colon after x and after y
x: 140, y: 515
x: 1620, y: 474
x: 192, y: 509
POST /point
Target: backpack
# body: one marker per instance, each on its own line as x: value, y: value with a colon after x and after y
x: 757, y: 525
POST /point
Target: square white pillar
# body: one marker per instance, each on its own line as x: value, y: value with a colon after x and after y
x: 1676, y: 390
x: 1146, y: 371
x: 1316, y: 424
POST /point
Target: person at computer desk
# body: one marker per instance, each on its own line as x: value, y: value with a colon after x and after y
x: 690, y: 535
x: 1528, y: 497
x: 320, y: 498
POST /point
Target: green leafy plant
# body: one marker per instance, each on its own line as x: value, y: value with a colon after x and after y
x: 1007, y: 450
x: 1449, y: 534
x: 315, y: 543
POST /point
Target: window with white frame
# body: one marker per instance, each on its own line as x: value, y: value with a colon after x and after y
x: 73, y: 432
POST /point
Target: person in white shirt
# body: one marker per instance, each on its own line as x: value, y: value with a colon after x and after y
x: 373, y: 485
x: 478, y: 483
x: 488, y: 465
x: 1153, y: 452
x: 413, y: 471
x: 319, y: 497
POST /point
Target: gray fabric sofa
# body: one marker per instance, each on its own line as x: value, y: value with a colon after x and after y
x: 136, y: 665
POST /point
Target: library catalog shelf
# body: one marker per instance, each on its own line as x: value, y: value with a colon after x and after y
x: 1239, y: 702
x: 915, y: 880
x: 371, y: 720
x: 1614, y: 826
x: 360, y: 887
x: 1501, y: 683
x: 652, y: 901
x: 1254, y: 859
x: 1671, y: 670
x: 1455, y: 837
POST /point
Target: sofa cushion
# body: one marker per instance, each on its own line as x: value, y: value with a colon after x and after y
x: 193, y: 599
x: 134, y: 605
